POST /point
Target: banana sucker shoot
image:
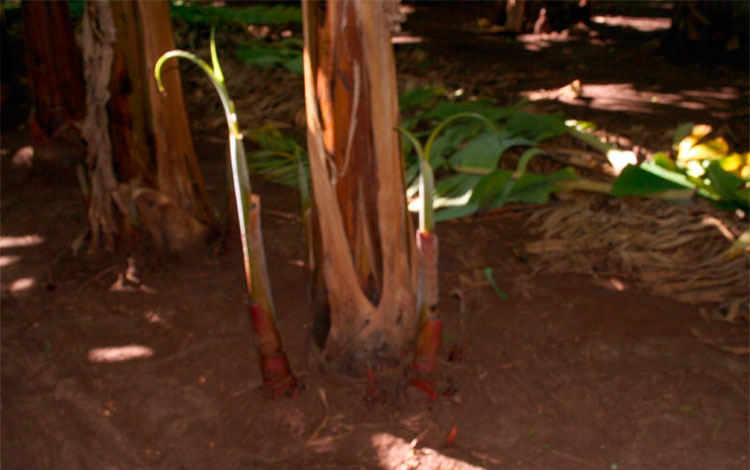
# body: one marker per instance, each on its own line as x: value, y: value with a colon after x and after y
x: 429, y: 339
x: 277, y: 375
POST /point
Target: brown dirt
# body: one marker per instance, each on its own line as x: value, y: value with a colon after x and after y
x: 566, y: 373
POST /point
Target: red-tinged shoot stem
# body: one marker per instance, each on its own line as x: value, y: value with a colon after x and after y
x: 427, y: 349
x: 430, y: 326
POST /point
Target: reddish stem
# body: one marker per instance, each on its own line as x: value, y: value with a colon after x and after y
x: 274, y: 365
x: 427, y: 387
x: 427, y: 351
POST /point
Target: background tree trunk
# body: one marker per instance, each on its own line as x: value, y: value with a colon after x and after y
x: 141, y: 154
x: 54, y: 68
x: 365, y: 249
x: 515, y: 15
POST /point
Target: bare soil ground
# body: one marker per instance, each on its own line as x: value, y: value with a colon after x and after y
x: 567, y: 373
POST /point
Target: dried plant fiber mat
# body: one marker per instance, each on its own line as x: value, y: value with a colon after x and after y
x: 684, y: 252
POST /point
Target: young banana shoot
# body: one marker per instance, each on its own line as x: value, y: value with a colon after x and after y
x: 277, y: 376
x: 427, y: 350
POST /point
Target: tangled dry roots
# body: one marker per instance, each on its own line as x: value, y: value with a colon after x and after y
x: 678, y: 251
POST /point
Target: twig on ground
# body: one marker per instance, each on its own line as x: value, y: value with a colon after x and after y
x: 573, y: 458
x: 314, y: 436
x: 738, y: 350
x: 95, y: 278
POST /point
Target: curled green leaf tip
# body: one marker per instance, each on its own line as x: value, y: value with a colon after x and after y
x: 157, y: 71
x: 215, y: 56
x: 488, y: 273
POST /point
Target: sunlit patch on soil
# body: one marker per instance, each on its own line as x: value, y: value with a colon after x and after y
x: 537, y: 42
x: 23, y: 284
x: 24, y: 157
x: 406, y: 39
x: 643, y: 24
x: 625, y: 97
x: 120, y: 353
x: 21, y: 241
x: 7, y: 260
x: 153, y: 317
x: 617, y: 284
x: 395, y: 453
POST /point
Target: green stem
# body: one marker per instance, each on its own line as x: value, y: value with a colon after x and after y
x: 426, y: 183
x: 243, y: 198
x: 591, y: 140
x: 606, y: 188
x: 586, y: 185
x: 305, y: 206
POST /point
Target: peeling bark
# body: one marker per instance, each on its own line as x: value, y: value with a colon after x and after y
x: 366, y: 250
x: 140, y: 149
x: 98, y: 52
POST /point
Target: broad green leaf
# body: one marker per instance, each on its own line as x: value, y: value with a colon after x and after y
x: 490, y: 187
x: 534, y: 188
x: 257, y: 14
x: 743, y: 195
x: 278, y: 167
x: 482, y: 154
x: 637, y: 181
x: 730, y: 187
x: 452, y: 137
x: 261, y: 57
x: 455, y: 190
x: 456, y: 212
x: 291, y: 43
x: 591, y: 140
x: 286, y: 53
x: 272, y: 155
x: 662, y: 160
x: 75, y: 7
x: 409, y: 123
x: 537, y: 127
x: 278, y: 156
x: 672, y: 175
x: 446, y: 109
x: 419, y: 96
x: 270, y: 137
x: 294, y: 65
